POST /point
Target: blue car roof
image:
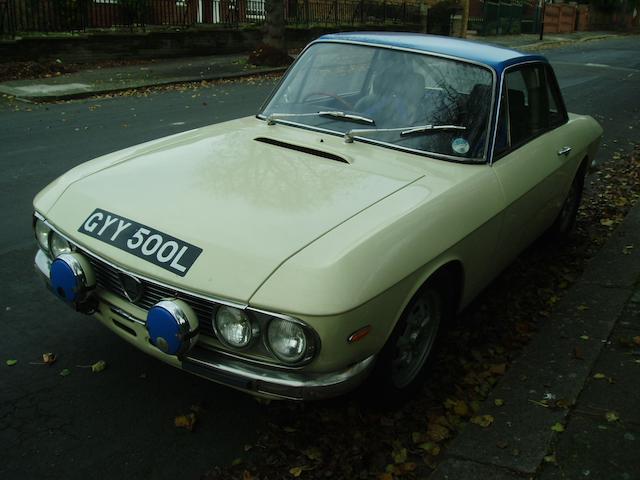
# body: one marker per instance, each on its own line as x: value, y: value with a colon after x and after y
x: 497, y: 58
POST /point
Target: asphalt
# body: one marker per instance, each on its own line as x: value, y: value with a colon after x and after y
x: 96, y: 81
x: 568, y: 407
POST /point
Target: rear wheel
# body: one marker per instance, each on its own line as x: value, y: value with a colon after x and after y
x: 567, y: 216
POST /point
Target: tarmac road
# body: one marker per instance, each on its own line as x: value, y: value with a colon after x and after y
x: 119, y: 423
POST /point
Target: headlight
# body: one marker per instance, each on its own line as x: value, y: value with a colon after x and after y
x: 234, y: 327
x: 58, y: 245
x: 287, y: 340
x: 42, y: 234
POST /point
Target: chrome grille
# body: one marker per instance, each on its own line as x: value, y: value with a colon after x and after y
x: 108, y: 279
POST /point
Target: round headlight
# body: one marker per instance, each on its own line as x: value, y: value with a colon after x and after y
x: 287, y: 340
x: 234, y: 327
x: 42, y: 234
x: 58, y: 245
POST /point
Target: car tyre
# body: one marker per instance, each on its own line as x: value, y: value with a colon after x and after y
x: 403, y: 363
x: 566, y: 219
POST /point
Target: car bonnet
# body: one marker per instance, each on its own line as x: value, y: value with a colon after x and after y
x: 249, y: 205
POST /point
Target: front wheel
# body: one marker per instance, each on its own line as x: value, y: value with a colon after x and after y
x: 401, y: 366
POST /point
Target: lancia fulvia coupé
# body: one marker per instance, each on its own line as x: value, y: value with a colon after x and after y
x: 385, y: 182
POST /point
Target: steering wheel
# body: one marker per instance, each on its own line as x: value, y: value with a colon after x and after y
x: 332, y: 95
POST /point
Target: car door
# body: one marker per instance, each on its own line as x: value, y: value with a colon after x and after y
x: 532, y: 159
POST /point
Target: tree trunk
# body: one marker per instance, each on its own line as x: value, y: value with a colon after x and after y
x: 274, y: 26
x: 273, y: 49
x: 465, y: 19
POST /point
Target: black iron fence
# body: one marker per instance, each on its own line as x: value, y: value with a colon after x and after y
x: 80, y: 15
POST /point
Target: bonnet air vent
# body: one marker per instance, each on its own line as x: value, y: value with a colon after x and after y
x: 298, y: 148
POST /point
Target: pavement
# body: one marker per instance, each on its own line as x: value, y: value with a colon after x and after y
x: 91, y: 82
x: 568, y: 406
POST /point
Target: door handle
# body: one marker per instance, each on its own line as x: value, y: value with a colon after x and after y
x: 564, y: 151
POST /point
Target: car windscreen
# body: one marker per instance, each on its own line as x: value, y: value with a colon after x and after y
x: 391, y: 97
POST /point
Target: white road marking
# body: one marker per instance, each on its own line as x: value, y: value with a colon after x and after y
x: 177, y: 124
x: 597, y: 65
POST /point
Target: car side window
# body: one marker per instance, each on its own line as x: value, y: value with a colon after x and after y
x: 533, y: 106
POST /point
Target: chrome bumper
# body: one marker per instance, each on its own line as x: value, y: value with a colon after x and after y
x: 245, y: 376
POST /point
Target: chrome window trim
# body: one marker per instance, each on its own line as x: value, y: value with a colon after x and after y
x: 492, y: 109
x: 545, y: 65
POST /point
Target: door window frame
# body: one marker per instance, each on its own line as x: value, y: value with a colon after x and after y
x: 503, y: 102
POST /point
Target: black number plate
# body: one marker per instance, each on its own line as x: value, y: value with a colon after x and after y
x: 145, y: 242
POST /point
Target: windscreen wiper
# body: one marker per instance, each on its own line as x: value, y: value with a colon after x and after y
x: 349, y: 117
x: 404, y: 131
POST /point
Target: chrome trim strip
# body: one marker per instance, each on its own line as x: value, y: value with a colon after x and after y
x: 43, y: 263
x: 122, y: 313
x: 286, y: 379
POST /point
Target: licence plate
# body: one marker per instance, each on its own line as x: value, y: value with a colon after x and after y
x: 159, y: 248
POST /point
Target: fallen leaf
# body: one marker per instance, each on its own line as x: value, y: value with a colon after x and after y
x: 437, y: 432
x: 599, y: 376
x: 612, y: 416
x: 65, y: 372
x: 550, y: 458
x: 295, y: 471
x: 48, y: 358
x: 584, y: 337
x: 483, y: 420
x: 385, y: 476
x: 557, y: 427
x: 236, y: 462
x: 187, y: 421
x: 626, y: 250
x: 313, y: 453
x: 408, y: 467
x: 606, y: 222
x: 246, y: 475
x: 430, y: 447
x: 400, y: 456
x: 461, y: 408
x: 498, y: 402
x: 99, y: 366
x: 498, y: 369
x: 11, y: 362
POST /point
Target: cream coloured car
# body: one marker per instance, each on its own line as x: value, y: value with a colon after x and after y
x: 387, y: 180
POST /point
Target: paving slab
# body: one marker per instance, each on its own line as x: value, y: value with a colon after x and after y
x: 618, y: 263
x: 554, y: 366
x: 618, y: 391
x: 454, y: 469
x: 558, y: 362
x: 595, y: 449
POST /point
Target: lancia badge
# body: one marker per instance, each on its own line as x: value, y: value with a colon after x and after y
x: 132, y: 287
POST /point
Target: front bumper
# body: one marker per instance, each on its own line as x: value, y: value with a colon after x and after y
x: 224, y: 369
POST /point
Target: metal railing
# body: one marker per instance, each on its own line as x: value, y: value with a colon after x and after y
x: 79, y: 15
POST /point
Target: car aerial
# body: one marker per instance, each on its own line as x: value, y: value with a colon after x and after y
x: 293, y: 254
